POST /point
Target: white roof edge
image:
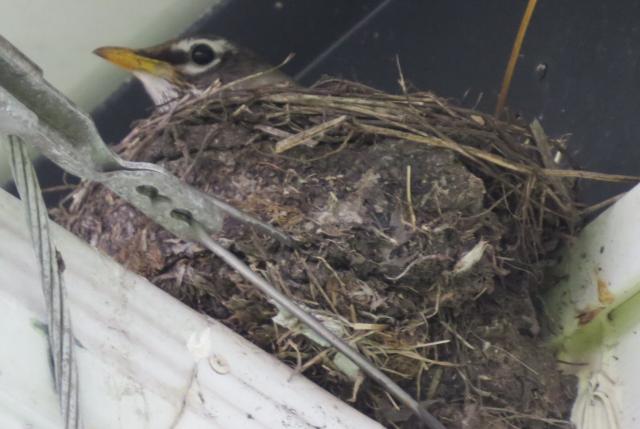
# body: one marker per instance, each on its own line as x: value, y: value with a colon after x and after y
x: 145, y: 359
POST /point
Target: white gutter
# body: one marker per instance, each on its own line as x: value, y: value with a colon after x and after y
x: 596, y: 309
x: 145, y: 360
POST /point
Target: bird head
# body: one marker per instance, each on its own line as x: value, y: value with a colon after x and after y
x: 191, y: 64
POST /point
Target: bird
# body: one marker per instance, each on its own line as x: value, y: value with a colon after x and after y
x: 191, y: 65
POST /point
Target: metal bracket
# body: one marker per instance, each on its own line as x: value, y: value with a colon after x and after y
x: 34, y: 110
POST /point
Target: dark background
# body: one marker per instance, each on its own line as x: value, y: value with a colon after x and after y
x: 458, y: 49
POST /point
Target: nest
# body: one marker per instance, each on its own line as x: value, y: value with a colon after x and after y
x: 423, y: 231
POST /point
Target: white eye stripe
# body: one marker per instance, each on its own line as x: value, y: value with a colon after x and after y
x: 219, y: 46
x: 193, y: 69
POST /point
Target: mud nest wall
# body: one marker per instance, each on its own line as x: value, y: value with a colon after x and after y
x: 422, y: 229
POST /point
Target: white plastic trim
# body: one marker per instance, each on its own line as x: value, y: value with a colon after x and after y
x: 145, y: 360
x: 597, y: 312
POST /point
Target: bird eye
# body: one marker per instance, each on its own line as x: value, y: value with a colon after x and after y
x: 202, y: 54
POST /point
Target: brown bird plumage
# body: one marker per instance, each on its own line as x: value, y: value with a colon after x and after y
x: 192, y: 64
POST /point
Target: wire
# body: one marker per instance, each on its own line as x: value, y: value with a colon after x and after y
x: 283, y: 301
x: 61, y: 340
x: 340, y: 40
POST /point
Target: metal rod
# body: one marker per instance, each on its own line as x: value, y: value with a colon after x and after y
x: 282, y: 300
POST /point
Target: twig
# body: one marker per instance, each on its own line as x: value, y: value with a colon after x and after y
x: 412, y: 214
x: 513, y: 59
x: 308, y: 134
x: 601, y: 205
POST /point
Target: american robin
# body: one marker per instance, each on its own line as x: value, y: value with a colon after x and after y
x: 192, y: 64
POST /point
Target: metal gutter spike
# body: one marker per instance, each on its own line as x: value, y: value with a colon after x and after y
x: 34, y: 110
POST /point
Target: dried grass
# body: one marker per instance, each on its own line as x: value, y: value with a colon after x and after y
x: 528, y: 197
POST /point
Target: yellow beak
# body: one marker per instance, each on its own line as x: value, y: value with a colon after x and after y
x: 132, y: 61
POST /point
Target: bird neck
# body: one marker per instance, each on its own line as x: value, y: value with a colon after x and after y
x: 162, y: 92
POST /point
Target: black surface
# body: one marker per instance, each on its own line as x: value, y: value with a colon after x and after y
x: 591, y: 49
x: 458, y: 49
